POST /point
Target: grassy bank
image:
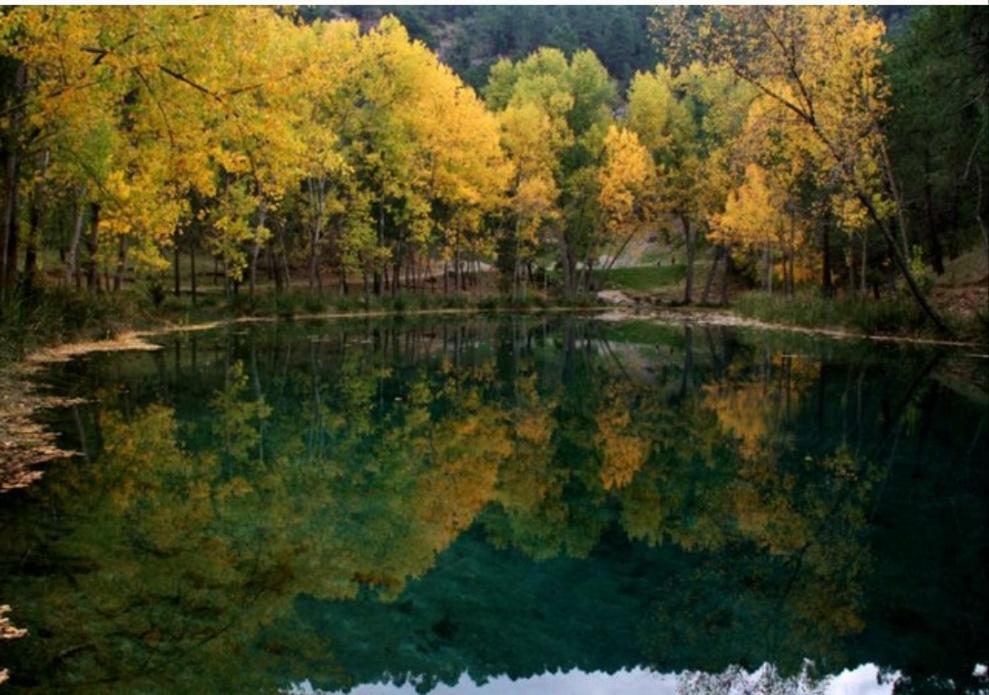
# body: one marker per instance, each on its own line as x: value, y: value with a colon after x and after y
x: 888, y: 316
x: 56, y: 315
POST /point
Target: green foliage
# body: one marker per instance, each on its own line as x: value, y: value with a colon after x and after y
x: 939, y: 145
x: 869, y: 316
x: 921, y: 271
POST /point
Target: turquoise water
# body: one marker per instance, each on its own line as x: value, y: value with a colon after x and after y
x: 451, y: 502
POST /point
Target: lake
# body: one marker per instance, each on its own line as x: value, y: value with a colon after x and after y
x: 552, y: 503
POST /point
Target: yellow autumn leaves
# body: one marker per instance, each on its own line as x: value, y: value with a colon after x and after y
x: 246, y: 129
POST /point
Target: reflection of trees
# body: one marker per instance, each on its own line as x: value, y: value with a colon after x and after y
x: 343, y: 467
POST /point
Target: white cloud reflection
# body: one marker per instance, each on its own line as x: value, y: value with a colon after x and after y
x: 864, y: 680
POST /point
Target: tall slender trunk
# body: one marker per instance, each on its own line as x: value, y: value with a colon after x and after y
x: 689, y: 241
x: 933, y: 242
x: 515, y: 261
x: 92, y: 247
x: 724, y: 275
x: 894, y: 188
x: 456, y: 261
x: 381, y: 243
x: 791, y: 288
x: 901, y: 264
x: 38, y: 199
x: 569, y: 269
x: 118, y: 275
x: 978, y: 214
x: 11, y: 176
x: 769, y: 268
x: 865, y: 262
x: 256, y: 249
x: 313, y: 255
x: 827, y: 287
x: 899, y: 260
x: 192, y: 270
x: 72, y: 270
x: 718, y: 251
x: 176, y: 265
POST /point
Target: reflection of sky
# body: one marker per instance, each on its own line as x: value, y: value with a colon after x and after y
x: 864, y: 680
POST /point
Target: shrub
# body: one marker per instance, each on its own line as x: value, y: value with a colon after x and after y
x: 314, y: 303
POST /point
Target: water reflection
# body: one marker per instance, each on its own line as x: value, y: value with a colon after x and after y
x: 343, y: 502
x: 864, y: 680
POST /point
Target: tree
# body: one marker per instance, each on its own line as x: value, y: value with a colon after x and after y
x: 687, y: 121
x: 624, y: 180
x: 824, y: 65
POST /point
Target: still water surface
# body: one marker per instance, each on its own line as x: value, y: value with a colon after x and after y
x: 515, y: 504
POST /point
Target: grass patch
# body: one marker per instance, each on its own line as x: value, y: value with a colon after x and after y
x: 642, y: 278
x: 897, y: 315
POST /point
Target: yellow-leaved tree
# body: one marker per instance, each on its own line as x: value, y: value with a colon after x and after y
x: 823, y: 65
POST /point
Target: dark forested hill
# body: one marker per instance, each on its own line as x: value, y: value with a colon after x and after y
x: 471, y: 38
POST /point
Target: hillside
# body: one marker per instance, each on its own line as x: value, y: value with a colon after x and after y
x: 471, y: 38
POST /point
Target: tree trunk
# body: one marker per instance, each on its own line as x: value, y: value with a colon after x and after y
x: 710, y: 276
x: 864, y: 290
x: 888, y: 234
x: 978, y: 215
x: 176, y: 265
x: 902, y: 266
x: 769, y: 268
x: 92, y: 246
x: 569, y: 271
x: 10, y: 221
x: 192, y: 270
x: 456, y: 263
x: 256, y: 249
x: 313, y: 241
x: 11, y: 176
x: 33, y: 235
x: 72, y: 271
x: 689, y: 240
x: 515, y: 262
x: 725, y: 267
x: 934, y: 251
x: 118, y: 276
x: 827, y: 287
x: 901, y: 209
x: 793, y: 278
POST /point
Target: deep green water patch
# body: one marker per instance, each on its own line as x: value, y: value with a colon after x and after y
x: 346, y: 501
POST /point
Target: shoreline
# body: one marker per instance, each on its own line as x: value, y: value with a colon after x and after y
x: 135, y: 339
x: 25, y: 443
